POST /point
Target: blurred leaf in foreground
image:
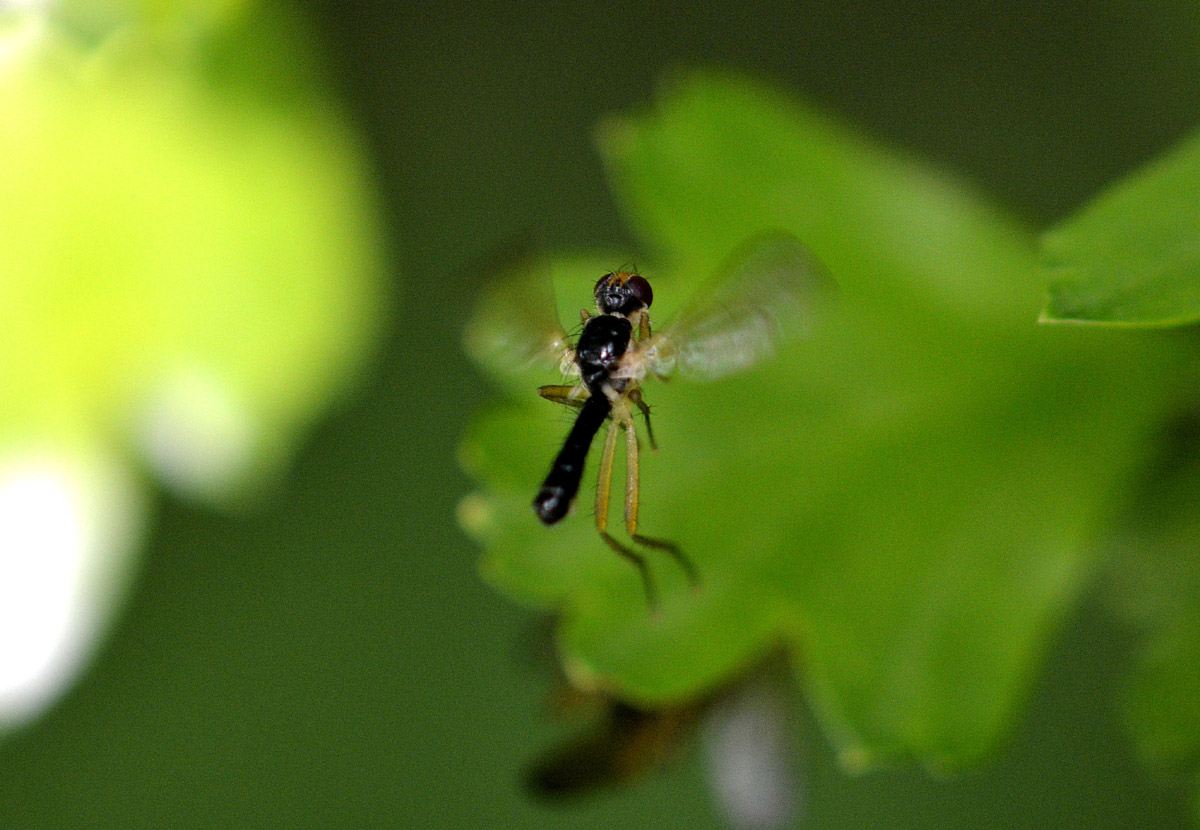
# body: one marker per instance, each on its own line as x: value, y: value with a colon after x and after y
x: 1154, y: 577
x: 906, y: 499
x: 1130, y: 256
x: 191, y: 271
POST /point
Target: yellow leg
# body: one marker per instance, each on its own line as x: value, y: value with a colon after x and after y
x: 632, y: 479
x: 635, y: 395
x: 604, y: 479
x: 603, y: 486
x: 631, y: 509
x: 570, y: 395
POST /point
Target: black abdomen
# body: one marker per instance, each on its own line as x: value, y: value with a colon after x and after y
x: 562, y: 482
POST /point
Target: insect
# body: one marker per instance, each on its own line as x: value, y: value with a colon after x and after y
x: 622, y: 743
x: 745, y: 727
x: 738, y: 318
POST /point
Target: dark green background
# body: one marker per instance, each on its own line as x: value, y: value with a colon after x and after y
x: 334, y: 661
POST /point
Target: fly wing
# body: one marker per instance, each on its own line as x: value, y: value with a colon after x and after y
x: 748, y: 743
x: 514, y: 331
x: 767, y: 296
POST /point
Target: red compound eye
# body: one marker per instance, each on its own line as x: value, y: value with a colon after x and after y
x: 640, y: 288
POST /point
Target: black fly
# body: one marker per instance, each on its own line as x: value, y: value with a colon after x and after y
x: 733, y: 323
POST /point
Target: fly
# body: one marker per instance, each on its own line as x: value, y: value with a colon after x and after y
x: 732, y: 323
x: 744, y: 724
x: 610, y: 362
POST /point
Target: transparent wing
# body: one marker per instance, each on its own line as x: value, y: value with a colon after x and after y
x: 752, y: 767
x: 514, y: 330
x: 766, y: 296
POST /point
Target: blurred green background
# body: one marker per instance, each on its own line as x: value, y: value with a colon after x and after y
x: 330, y: 657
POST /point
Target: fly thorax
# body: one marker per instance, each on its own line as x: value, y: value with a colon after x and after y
x: 604, y: 340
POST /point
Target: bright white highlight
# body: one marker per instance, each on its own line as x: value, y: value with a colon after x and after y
x: 20, y: 36
x: 64, y: 532
x: 196, y: 433
x: 24, y: 5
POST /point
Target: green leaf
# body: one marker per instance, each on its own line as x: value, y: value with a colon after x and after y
x: 906, y: 498
x: 1153, y: 576
x: 189, y: 271
x: 187, y: 268
x: 1162, y: 705
x: 1132, y: 255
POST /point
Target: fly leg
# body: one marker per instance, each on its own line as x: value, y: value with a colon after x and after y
x: 631, y: 509
x: 603, y: 486
x: 635, y: 395
x: 569, y: 395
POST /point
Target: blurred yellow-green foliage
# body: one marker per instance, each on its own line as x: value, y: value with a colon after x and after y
x: 231, y: 601
x: 192, y: 270
x: 176, y: 247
